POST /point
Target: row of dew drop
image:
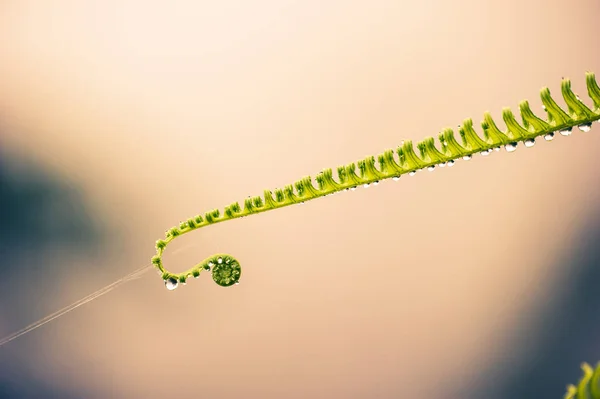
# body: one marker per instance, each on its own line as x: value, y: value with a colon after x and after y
x: 510, y: 147
x: 172, y: 283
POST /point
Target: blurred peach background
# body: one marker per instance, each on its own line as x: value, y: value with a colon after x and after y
x: 438, y: 286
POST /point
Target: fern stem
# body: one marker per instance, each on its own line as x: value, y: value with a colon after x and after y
x: 226, y: 270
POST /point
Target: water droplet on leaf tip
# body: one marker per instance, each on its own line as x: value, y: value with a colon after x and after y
x: 466, y: 157
x: 549, y: 136
x: 376, y: 182
x: 171, y: 283
x: 396, y: 178
x: 412, y: 173
x: 220, y: 260
x: 443, y: 165
x: 566, y: 132
x: 586, y: 127
x: 529, y: 143
x: 485, y: 152
x: 510, y: 147
x: 450, y: 163
x: 431, y: 168
x: 366, y: 185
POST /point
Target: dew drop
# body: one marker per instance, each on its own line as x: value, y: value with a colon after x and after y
x: 566, y: 132
x: 366, y: 185
x: 497, y: 149
x: 237, y: 283
x: 353, y: 188
x: 171, y: 283
x: 549, y: 136
x: 376, y: 182
x: 396, y: 178
x: 412, y: 173
x: 431, y: 168
x: 443, y: 164
x: 586, y: 127
x: 220, y: 260
x: 529, y: 143
x: 467, y: 157
x: 450, y: 163
x: 486, y: 152
x: 510, y: 147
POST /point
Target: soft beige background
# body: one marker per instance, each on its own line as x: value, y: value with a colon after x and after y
x: 162, y: 110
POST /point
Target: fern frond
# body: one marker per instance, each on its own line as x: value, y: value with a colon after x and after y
x: 589, y: 384
x: 391, y: 165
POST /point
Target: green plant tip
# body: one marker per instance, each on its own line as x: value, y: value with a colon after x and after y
x: 393, y: 164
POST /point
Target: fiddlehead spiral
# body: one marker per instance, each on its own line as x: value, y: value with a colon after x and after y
x: 392, y: 164
x: 589, y: 384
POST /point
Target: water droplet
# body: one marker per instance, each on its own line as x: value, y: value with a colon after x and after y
x: 171, y: 283
x: 586, y: 127
x: 497, y: 149
x: 353, y: 188
x: 431, y: 168
x: 396, y: 178
x: 450, y: 163
x: 529, y: 143
x: 467, y: 157
x: 549, y: 136
x: 486, y: 152
x: 566, y: 132
x: 366, y: 185
x: 510, y: 147
x: 412, y: 173
x: 220, y: 260
x: 443, y: 165
x: 237, y: 283
x: 544, y: 107
x: 376, y: 182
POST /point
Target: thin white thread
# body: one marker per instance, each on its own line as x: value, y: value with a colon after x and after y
x: 131, y: 276
x: 47, y: 319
